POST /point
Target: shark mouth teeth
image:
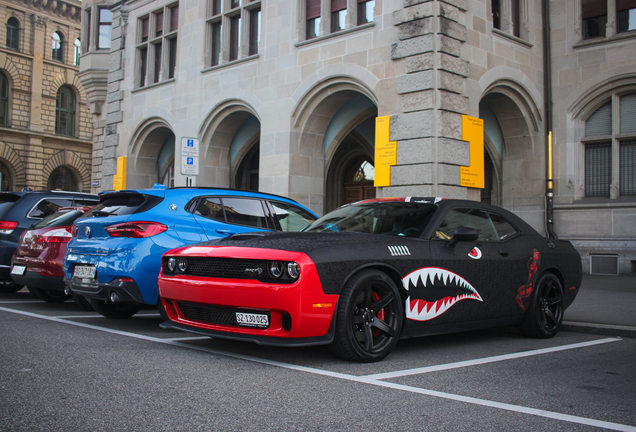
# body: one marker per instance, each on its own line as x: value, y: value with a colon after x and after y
x: 423, y: 310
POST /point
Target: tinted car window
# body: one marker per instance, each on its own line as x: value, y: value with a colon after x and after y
x: 397, y: 219
x: 210, y: 208
x: 290, y: 217
x: 504, y: 229
x: 48, y: 206
x: 117, y: 205
x: 243, y: 211
x: 61, y: 218
x: 469, y: 218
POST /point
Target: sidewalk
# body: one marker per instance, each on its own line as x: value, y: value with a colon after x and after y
x: 605, y: 305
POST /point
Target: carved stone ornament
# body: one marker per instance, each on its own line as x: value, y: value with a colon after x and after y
x: 39, y: 21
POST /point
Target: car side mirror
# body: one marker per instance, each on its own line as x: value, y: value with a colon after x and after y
x: 463, y: 234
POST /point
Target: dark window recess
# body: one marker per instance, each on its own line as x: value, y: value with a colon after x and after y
x: 65, y: 112
x: 248, y: 171
x: 216, y: 7
x: 13, y: 34
x: 338, y: 14
x: 628, y: 167
x: 174, y: 18
x: 365, y: 11
x: 145, y: 23
x: 496, y: 14
x: 62, y: 178
x: 235, y: 37
x: 594, y: 16
x: 157, y: 48
x: 255, y: 30
x: 598, y: 169
x: 516, y: 18
x: 626, y: 11
x: 159, y: 24
x: 143, y: 69
x: 56, y: 46
x: 216, y: 43
x: 313, y: 18
x: 172, y: 60
x: 4, y: 102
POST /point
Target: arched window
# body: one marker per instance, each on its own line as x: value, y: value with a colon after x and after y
x: 65, y: 112
x: 13, y: 34
x: 5, y: 179
x: 57, y: 41
x: 62, y: 178
x: 4, y: 100
x: 77, y: 50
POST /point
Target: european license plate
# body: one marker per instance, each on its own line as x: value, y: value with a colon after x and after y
x: 252, y: 320
x: 18, y: 270
x: 84, y: 272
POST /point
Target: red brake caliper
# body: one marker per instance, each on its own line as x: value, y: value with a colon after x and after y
x: 376, y: 297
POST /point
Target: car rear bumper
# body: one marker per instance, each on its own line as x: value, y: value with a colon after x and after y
x: 125, y: 291
x: 33, y: 279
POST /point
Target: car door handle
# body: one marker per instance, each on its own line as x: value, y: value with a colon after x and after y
x: 225, y: 232
x: 503, y: 253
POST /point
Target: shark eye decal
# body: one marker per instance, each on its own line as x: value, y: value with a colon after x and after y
x: 475, y: 253
x: 433, y: 291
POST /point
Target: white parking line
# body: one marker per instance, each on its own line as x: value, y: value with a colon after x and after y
x: 369, y: 379
x: 19, y: 301
x: 427, y: 369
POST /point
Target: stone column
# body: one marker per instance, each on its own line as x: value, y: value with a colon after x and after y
x: 37, y: 74
x: 428, y: 131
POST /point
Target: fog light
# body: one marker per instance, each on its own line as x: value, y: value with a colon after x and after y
x: 276, y: 268
x: 172, y: 264
x: 183, y: 264
x: 293, y: 270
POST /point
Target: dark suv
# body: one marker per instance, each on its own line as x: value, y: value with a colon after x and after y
x: 19, y: 211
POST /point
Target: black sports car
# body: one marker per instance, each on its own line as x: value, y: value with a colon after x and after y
x: 370, y: 273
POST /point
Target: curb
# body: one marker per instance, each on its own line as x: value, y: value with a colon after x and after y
x: 599, y: 329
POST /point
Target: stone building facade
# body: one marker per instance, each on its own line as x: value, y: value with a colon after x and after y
x: 45, y: 128
x: 283, y: 95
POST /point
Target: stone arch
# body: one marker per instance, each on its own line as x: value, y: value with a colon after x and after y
x: 144, y: 149
x: 14, y: 164
x: 74, y: 83
x: 520, y: 171
x: 217, y: 132
x: 74, y: 162
x: 351, y: 105
x: 589, y: 98
x: 16, y: 80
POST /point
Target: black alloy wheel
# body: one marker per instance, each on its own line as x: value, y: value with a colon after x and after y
x: 51, y: 296
x: 545, y: 312
x: 369, y: 317
x: 116, y: 310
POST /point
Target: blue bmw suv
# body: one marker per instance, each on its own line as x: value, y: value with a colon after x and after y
x: 115, y: 254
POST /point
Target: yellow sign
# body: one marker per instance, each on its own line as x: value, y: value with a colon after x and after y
x: 385, y: 152
x: 473, y: 132
x: 119, y: 179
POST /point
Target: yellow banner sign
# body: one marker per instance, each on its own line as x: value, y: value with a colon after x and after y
x: 473, y: 132
x: 119, y: 179
x: 385, y: 152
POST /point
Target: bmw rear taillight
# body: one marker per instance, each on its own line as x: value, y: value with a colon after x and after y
x: 7, y: 227
x: 58, y: 235
x: 136, y: 229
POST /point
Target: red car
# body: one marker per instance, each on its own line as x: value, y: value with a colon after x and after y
x: 37, y: 262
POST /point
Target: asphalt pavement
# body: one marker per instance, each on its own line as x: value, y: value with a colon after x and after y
x: 605, y: 305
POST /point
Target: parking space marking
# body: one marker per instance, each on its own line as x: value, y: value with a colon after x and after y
x: 19, y: 301
x: 359, y: 379
x: 474, y: 362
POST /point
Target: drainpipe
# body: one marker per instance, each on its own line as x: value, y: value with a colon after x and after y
x: 547, y: 85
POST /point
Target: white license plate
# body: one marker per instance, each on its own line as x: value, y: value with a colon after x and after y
x: 252, y: 320
x: 18, y: 270
x: 84, y: 272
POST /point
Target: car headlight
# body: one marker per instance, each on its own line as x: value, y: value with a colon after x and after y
x: 172, y: 264
x: 182, y: 264
x: 276, y: 268
x: 293, y: 270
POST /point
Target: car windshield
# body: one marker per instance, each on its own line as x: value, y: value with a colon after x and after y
x: 388, y: 218
x: 118, y: 205
x: 61, y: 218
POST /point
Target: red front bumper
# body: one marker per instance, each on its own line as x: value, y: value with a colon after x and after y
x: 310, y: 309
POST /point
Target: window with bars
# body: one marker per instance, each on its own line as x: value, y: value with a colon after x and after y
x: 607, y: 137
x: 234, y: 30
x: 157, y: 45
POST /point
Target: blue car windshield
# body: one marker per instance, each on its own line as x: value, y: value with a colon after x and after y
x: 387, y: 218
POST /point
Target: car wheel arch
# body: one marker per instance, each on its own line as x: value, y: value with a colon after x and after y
x: 389, y: 270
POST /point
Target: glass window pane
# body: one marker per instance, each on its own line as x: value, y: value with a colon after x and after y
x: 216, y: 43
x: 365, y: 12
x: 598, y: 169
x: 290, y: 217
x: 628, y: 113
x: 210, y: 208
x: 627, y: 20
x: 243, y: 211
x: 503, y: 228
x: 313, y: 28
x: 235, y: 36
x: 469, y: 218
x: 628, y: 167
x: 600, y: 123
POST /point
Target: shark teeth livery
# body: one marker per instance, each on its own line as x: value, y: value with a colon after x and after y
x: 422, y: 310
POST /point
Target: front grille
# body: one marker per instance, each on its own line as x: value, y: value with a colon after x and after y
x: 287, y: 322
x: 221, y: 267
x: 213, y: 314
